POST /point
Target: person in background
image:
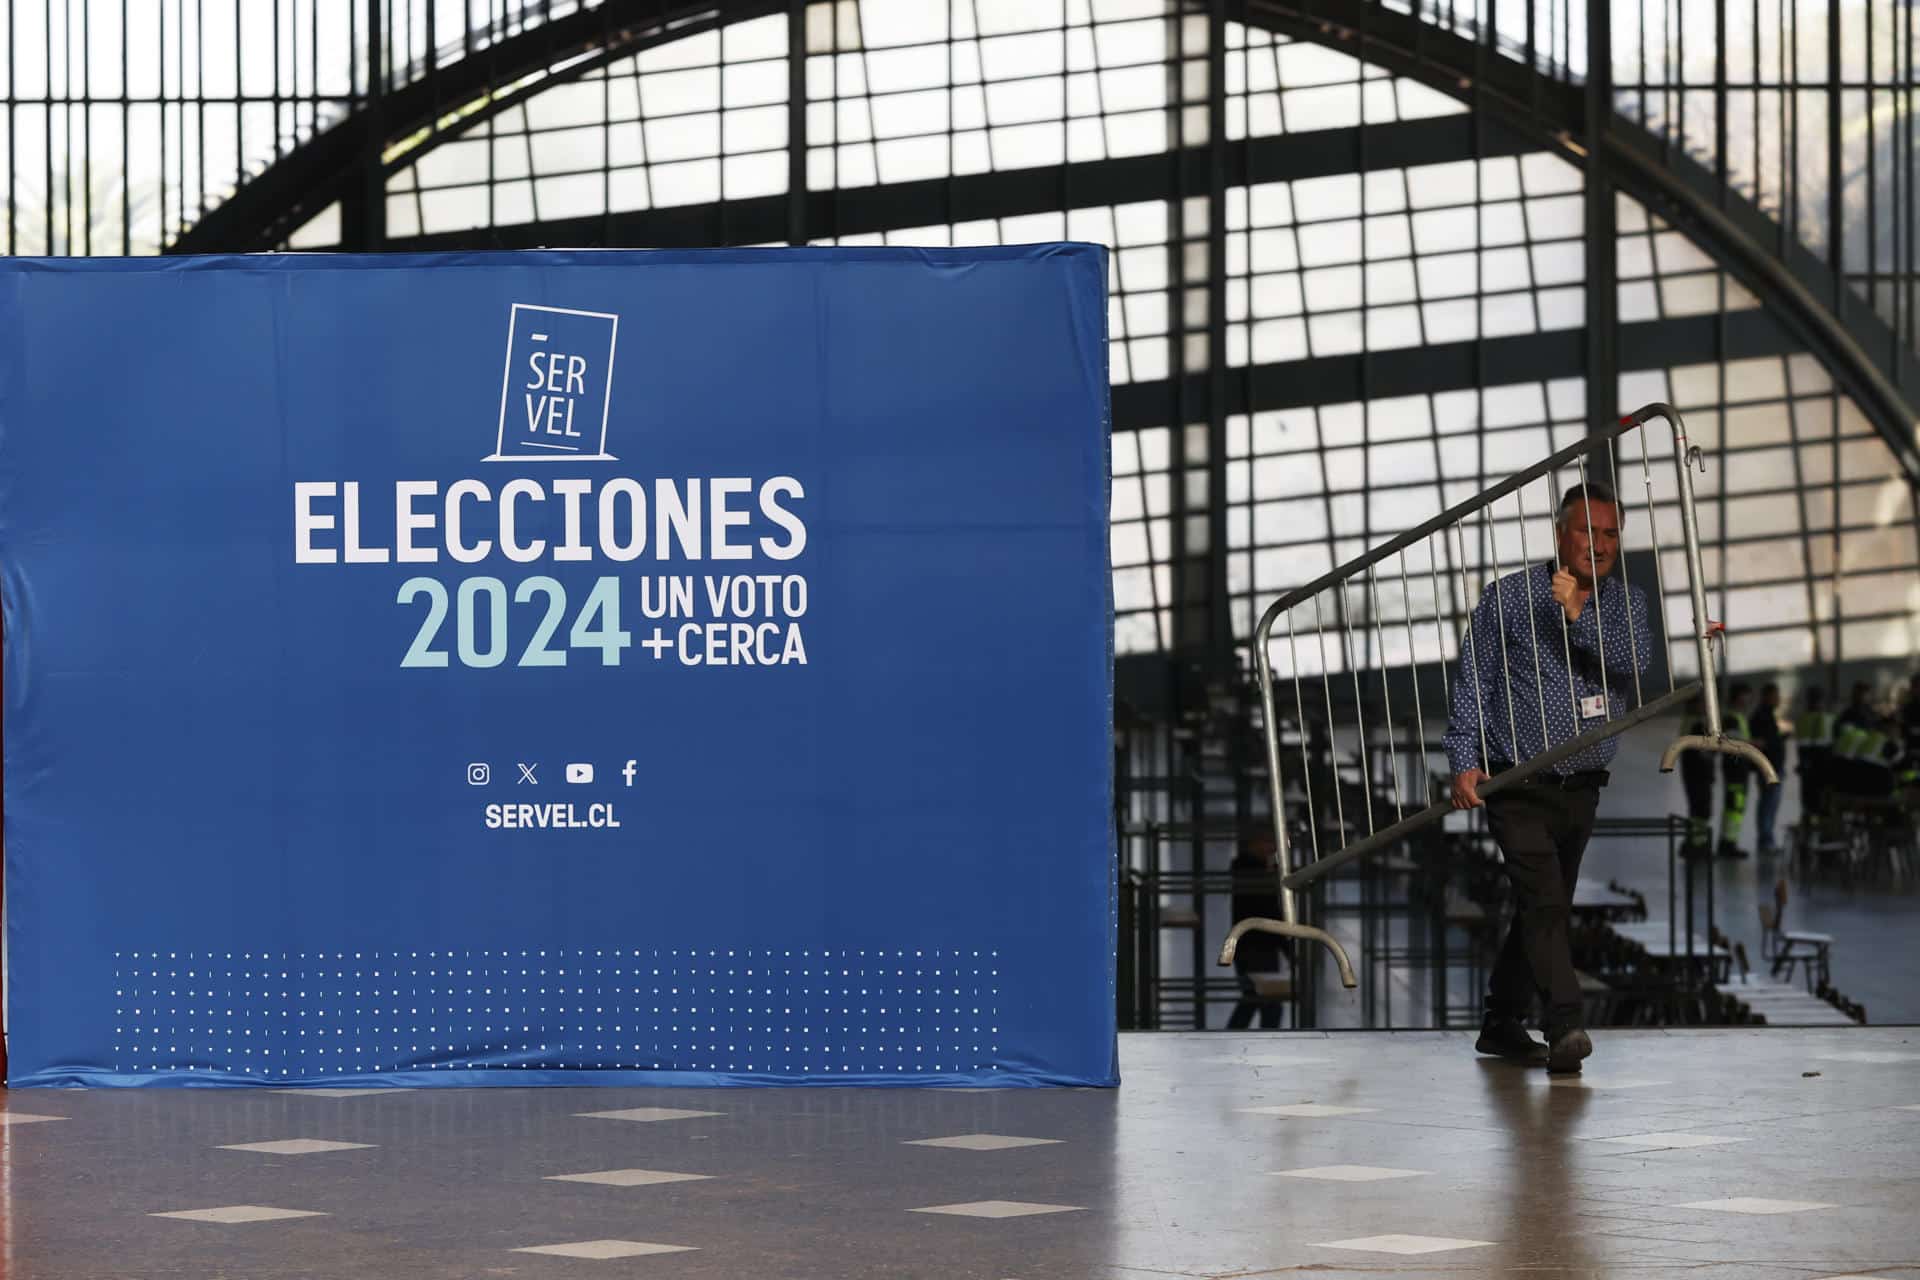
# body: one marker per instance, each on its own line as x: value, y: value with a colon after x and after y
x: 1256, y: 894
x: 1910, y: 720
x: 1866, y: 758
x: 1734, y: 772
x: 1771, y: 738
x: 1698, y: 770
x: 1814, y: 733
x: 1859, y: 713
x: 1905, y: 764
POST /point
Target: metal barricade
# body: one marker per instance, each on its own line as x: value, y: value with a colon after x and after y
x: 1370, y: 832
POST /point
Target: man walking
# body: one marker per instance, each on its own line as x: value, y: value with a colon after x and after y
x: 1551, y: 653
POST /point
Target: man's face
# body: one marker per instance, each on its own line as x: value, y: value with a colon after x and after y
x: 1589, y: 540
x: 1769, y: 697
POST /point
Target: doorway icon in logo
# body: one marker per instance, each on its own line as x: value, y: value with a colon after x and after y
x: 556, y: 391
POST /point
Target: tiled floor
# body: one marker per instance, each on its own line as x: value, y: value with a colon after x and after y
x: 1726, y: 1154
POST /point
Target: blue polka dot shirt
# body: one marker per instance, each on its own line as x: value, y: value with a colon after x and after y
x: 1498, y: 705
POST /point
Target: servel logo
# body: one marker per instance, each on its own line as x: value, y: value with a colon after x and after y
x: 555, y: 394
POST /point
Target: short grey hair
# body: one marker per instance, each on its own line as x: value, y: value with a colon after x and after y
x: 1590, y: 492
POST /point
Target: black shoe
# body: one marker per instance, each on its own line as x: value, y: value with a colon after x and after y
x: 1506, y: 1038
x: 1728, y: 849
x: 1568, y: 1050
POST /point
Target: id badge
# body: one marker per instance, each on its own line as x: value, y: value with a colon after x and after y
x: 1594, y: 707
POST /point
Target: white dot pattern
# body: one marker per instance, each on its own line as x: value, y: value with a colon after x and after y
x: 802, y: 1011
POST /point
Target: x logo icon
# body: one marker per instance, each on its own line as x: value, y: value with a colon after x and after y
x: 526, y: 774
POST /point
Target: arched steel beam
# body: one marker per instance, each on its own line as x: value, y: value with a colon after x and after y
x: 1005, y: 193
x: 1862, y: 353
x: 263, y: 212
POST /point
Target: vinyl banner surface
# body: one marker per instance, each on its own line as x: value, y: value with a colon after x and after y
x: 558, y: 668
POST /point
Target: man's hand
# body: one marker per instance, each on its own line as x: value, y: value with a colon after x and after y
x: 1566, y: 594
x: 1466, y: 789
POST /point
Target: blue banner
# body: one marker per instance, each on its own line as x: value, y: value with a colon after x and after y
x: 558, y: 668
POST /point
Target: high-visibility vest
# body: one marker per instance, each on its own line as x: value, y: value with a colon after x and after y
x: 1849, y: 742
x: 1814, y: 729
x: 1736, y: 725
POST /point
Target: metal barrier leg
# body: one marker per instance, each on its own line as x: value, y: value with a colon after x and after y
x: 1290, y: 926
x: 1306, y: 932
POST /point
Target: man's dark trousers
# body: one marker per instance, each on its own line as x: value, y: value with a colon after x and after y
x: 1542, y: 830
x: 1698, y: 781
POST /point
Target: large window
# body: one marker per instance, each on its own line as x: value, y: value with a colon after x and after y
x: 1447, y: 286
